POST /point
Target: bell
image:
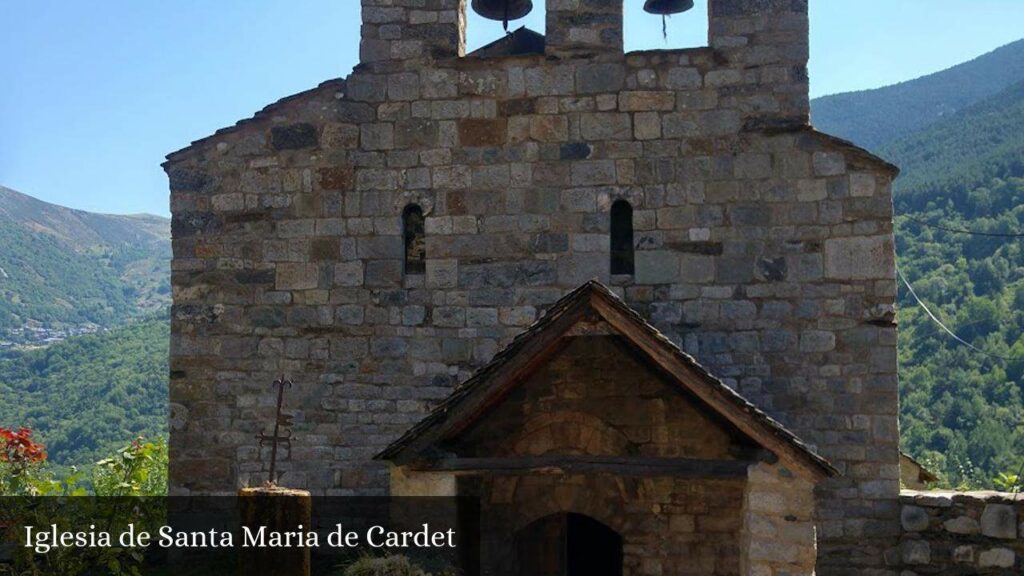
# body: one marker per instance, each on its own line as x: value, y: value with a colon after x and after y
x: 667, y: 7
x: 503, y: 10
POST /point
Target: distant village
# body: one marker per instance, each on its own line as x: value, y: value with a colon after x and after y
x: 35, y: 335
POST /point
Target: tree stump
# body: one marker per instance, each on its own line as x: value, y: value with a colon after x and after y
x: 279, y: 510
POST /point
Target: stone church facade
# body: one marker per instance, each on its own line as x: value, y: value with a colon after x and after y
x: 380, y: 237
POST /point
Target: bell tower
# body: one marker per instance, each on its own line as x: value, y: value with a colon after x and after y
x: 400, y: 30
x: 768, y: 39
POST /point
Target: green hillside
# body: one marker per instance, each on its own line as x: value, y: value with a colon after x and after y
x: 950, y: 160
x: 63, y: 268
x: 963, y: 410
x: 90, y: 395
x: 875, y: 118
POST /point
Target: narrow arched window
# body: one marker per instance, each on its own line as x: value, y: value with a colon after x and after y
x: 622, y: 238
x: 415, y: 240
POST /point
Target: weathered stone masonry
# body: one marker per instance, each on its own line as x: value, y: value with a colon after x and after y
x: 962, y: 533
x: 762, y: 246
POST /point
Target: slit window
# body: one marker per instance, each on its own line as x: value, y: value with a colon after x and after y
x: 415, y: 240
x: 622, y: 238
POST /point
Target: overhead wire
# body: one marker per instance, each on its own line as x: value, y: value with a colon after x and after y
x: 940, y: 323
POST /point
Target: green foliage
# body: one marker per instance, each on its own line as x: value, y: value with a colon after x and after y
x: 390, y: 565
x: 47, y: 281
x: 962, y: 411
x: 136, y: 470
x: 139, y: 469
x: 85, y: 395
x: 1007, y: 482
x: 959, y: 164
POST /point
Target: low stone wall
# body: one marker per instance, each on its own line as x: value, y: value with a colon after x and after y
x: 951, y: 533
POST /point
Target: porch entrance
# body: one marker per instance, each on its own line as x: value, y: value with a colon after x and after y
x: 568, y: 545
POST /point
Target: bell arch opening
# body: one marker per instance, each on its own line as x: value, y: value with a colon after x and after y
x: 666, y: 24
x: 568, y: 544
x: 488, y: 35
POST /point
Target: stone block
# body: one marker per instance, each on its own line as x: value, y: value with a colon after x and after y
x: 549, y: 128
x: 413, y: 315
x: 593, y: 172
x: 647, y: 101
x: 404, y: 86
x: 442, y: 273
x: 679, y: 126
x: 606, y: 126
x: 482, y: 131
x: 517, y: 316
x: 336, y: 178
x: 348, y: 273
x: 549, y: 80
x: 379, y: 136
x: 294, y: 276
x: 576, y: 269
x: 683, y: 79
x: 294, y: 136
x: 647, y: 126
x: 916, y: 552
x: 862, y: 184
x: 822, y: 341
x: 481, y: 317
x: 963, y: 555
x: 828, y: 164
x: 997, y: 558
x: 597, y: 78
x: 860, y: 258
x: 657, y: 267
x: 914, y: 518
x: 389, y: 347
x: 349, y: 315
x: 962, y: 525
x: 999, y: 521
x: 449, y: 317
x: 383, y: 273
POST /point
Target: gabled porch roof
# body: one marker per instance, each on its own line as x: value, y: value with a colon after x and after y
x: 587, y: 306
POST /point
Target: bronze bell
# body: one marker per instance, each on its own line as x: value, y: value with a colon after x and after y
x: 667, y: 7
x: 503, y: 10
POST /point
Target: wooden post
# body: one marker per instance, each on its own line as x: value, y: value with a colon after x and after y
x: 279, y: 510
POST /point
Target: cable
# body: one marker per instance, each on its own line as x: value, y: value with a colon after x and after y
x: 962, y: 230
x: 939, y: 322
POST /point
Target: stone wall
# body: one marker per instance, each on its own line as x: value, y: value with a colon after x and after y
x: 669, y: 526
x: 953, y: 533
x: 779, y: 537
x: 764, y: 248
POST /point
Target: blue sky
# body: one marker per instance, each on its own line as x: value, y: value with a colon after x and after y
x: 95, y: 93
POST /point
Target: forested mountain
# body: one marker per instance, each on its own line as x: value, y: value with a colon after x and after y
x: 875, y: 118
x: 961, y: 154
x: 62, y: 268
x: 89, y: 395
x: 960, y: 243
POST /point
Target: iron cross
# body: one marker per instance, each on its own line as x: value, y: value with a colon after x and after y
x: 282, y: 420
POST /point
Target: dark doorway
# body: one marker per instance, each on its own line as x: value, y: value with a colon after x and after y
x: 568, y: 545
